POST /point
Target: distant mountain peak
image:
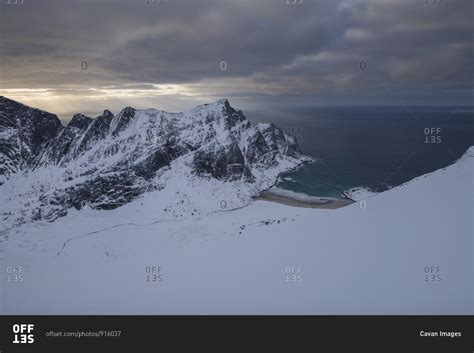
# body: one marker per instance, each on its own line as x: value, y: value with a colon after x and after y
x: 80, y: 121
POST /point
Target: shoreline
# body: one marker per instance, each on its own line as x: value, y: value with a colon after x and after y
x: 294, y: 169
x: 289, y: 201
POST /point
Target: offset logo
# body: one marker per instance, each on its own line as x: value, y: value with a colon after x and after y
x: 23, y: 333
x: 294, y: 273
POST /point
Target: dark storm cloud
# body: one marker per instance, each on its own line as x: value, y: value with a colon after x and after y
x: 303, y: 48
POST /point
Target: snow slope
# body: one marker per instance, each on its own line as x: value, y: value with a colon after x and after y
x: 351, y: 260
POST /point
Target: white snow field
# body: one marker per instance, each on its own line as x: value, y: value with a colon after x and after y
x: 408, y: 250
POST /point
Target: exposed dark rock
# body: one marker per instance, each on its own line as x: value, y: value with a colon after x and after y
x: 123, y: 119
x: 80, y: 121
x: 25, y: 132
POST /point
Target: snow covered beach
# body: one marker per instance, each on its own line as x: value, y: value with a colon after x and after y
x: 294, y: 199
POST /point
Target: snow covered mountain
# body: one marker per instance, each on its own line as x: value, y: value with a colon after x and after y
x: 202, y: 160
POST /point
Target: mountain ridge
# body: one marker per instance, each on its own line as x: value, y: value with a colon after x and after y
x: 108, y: 161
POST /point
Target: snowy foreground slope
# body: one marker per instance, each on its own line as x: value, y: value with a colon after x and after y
x: 351, y: 260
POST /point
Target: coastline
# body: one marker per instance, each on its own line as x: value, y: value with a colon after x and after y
x: 307, y: 159
x: 290, y: 201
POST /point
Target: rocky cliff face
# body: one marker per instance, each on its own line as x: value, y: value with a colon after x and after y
x: 106, y: 162
x: 24, y: 132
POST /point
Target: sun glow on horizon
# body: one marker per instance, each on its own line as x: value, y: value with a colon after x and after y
x: 68, y: 100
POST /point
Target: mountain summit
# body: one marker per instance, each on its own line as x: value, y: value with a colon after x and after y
x: 205, y: 159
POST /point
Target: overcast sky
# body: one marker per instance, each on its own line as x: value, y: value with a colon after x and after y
x: 86, y: 56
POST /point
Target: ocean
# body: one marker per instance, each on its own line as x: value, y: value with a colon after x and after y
x: 370, y: 146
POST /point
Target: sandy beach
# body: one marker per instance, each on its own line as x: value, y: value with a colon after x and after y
x: 286, y: 200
